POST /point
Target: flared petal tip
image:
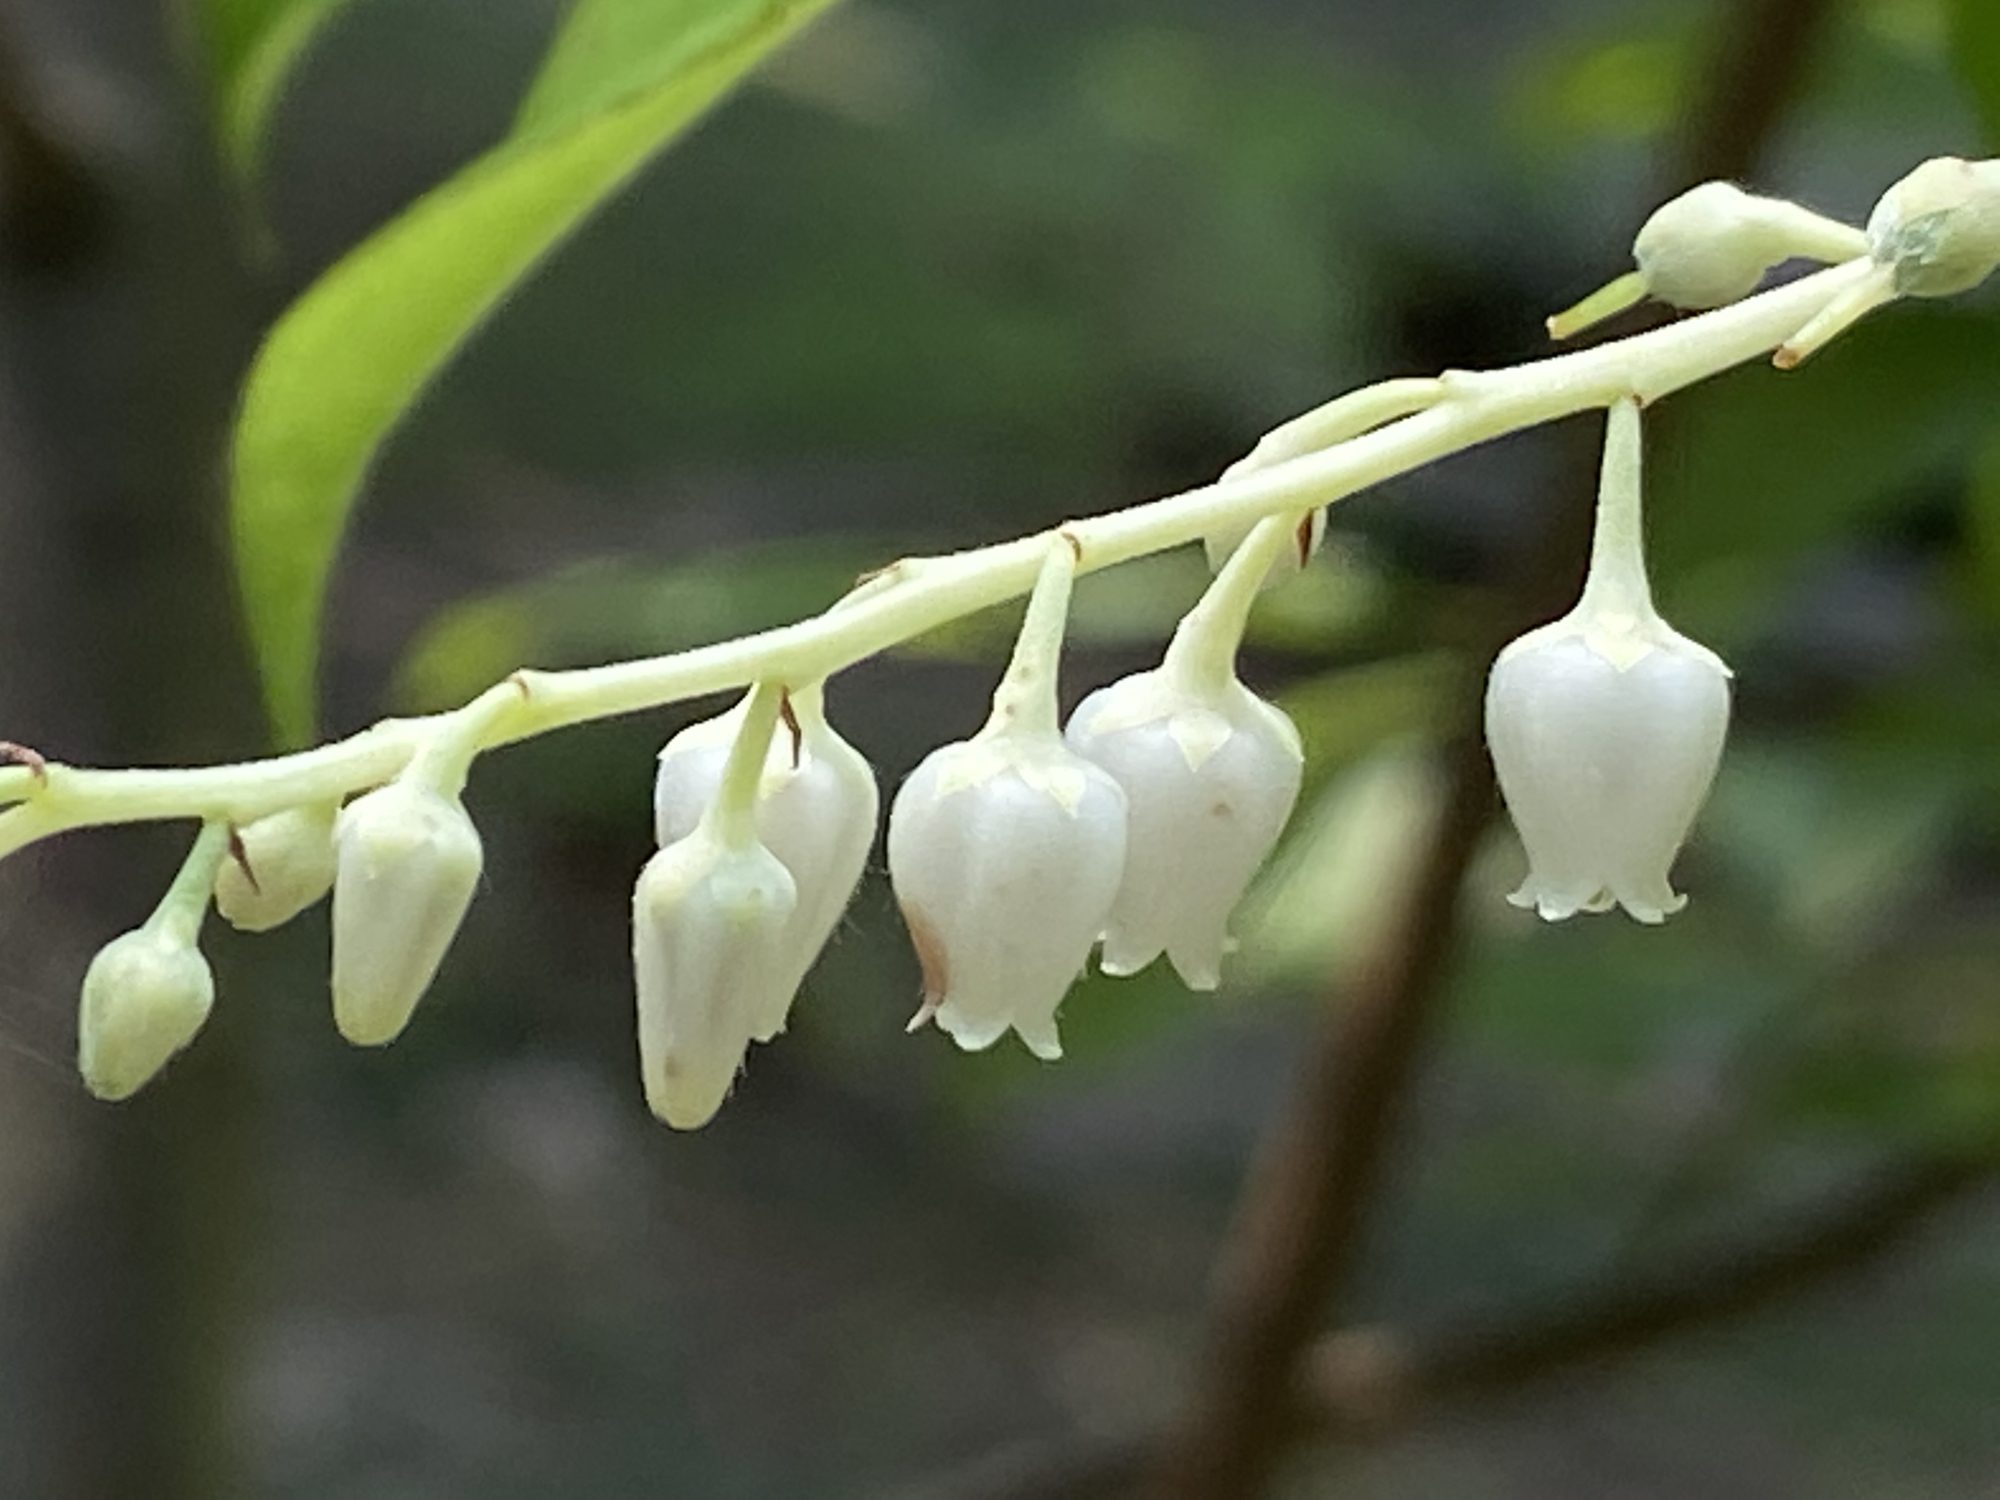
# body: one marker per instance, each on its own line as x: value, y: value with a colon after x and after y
x: 1124, y: 962
x: 1200, y: 971
x: 1557, y: 906
x: 1653, y: 911
x: 1042, y: 1041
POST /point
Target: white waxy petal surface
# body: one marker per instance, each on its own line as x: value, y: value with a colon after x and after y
x: 1604, y: 763
x: 1006, y: 855
x: 1210, y: 787
x: 145, y: 997
x: 408, y: 862
x: 708, y: 951
x: 817, y: 816
x: 290, y: 866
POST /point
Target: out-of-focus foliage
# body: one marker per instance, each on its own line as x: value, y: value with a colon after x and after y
x: 347, y: 360
x: 1975, y: 37
x: 249, y: 49
x: 949, y: 271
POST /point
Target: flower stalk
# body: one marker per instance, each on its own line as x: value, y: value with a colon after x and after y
x: 1460, y: 410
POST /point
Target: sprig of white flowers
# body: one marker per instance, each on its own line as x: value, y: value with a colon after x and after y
x: 1018, y: 851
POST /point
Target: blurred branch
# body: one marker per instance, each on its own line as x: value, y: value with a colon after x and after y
x: 1373, y: 1380
x: 1310, y: 1202
x: 1364, y: 1376
x: 1762, y: 51
x: 52, y: 212
x: 1308, y: 1205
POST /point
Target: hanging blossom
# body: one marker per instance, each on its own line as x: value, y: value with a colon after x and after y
x: 1006, y: 851
x: 407, y: 862
x: 1210, y: 773
x: 712, y: 937
x: 816, y: 811
x: 1607, y: 725
x: 148, y: 993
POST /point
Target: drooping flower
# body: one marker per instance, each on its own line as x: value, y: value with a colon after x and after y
x: 1210, y: 774
x: 817, y: 805
x: 1005, y: 851
x: 1607, y: 725
x: 710, y: 920
x: 145, y: 996
x: 284, y: 864
x: 407, y: 861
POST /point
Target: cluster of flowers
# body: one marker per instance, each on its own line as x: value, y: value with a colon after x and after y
x: 1134, y: 830
x: 1138, y: 827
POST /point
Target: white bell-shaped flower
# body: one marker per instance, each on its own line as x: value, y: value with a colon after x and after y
x: 710, y: 920
x: 145, y: 997
x: 1210, y: 773
x: 282, y: 865
x: 1607, y: 726
x: 1005, y: 851
x: 817, y: 805
x: 407, y: 861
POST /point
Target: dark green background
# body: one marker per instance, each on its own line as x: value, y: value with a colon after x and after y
x: 947, y: 272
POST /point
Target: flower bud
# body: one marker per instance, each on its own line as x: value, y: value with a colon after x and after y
x: 1715, y: 242
x: 1607, y: 726
x: 1711, y: 246
x: 145, y: 996
x: 709, y: 952
x: 816, y: 810
x: 282, y: 864
x: 1210, y: 777
x: 407, y: 860
x: 1005, y: 852
x: 1938, y: 229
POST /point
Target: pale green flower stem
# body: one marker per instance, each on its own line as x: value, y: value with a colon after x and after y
x: 920, y: 594
x: 1026, y: 697
x: 1202, y: 654
x: 183, y: 909
x: 732, y: 816
x: 1616, y: 583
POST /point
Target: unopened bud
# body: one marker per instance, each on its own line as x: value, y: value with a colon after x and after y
x: 816, y: 811
x: 1711, y: 246
x: 709, y: 924
x: 145, y: 997
x: 407, y: 863
x: 1939, y: 228
x: 279, y: 866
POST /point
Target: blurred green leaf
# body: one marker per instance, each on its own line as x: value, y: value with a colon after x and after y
x: 1982, y: 524
x: 1344, y: 871
x: 602, y: 610
x: 1616, y: 88
x: 1910, y: 1051
x: 1835, y: 847
x: 353, y: 354
x: 1758, y: 464
x: 1975, y: 46
x: 250, y: 48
